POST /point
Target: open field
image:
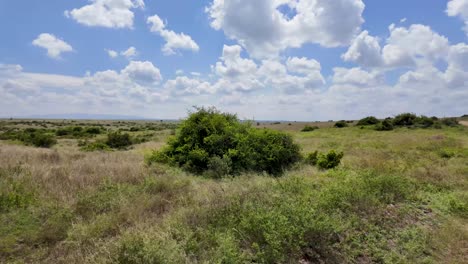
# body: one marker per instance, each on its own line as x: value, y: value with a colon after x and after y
x: 398, y: 196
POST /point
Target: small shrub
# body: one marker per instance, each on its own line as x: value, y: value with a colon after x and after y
x: 446, y: 153
x: 341, y: 124
x: 451, y: 122
x: 368, y: 121
x: 95, y: 146
x: 312, y: 158
x: 118, y: 140
x: 308, y: 128
x: 40, y: 140
x: 330, y: 160
x: 93, y: 130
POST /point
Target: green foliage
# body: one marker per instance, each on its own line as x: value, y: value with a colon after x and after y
x: 219, y: 167
x: 329, y: 160
x: 93, y: 130
x: 118, y: 140
x: 386, y: 125
x: 102, y: 200
x: 308, y: 128
x: 213, y: 141
x: 31, y: 136
x: 14, y: 193
x: 424, y: 122
x: 264, y: 151
x: 451, y: 122
x: 78, y: 131
x: 446, y: 153
x: 41, y: 140
x: 341, y: 124
x: 405, y: 120
x: 142, y: 138
x: 95, y: 146
x: 368, y: 121
x: 312, y: 158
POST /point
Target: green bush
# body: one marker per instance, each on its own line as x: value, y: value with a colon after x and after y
x: 208, y: 133
x: 312, y: 158
x: 308, y: 128
x: 386, y: 125
x: 40, y: 140
x: 451, y: 122
x: 341, y: 124
x: 93, y: 130
x: 264, y: 151
x: 368, y: 121
x: 95, y: 146
x: 424, y: 122
x: 118, y: 140
x: 405, y: 119
x: 329, y: 160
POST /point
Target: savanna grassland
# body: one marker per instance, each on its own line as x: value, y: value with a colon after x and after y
x: 78, y: 195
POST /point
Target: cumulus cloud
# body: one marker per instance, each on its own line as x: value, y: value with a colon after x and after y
x: 405, y: 47
x: 174, y: 41
x: 459, y: 8
x: 54, y: 46
x: 356, y: 76
x: 142, y: 72
x: 183, y: 85
x: 106, y: 13
x: 365, y: 50
x: 262, y: 29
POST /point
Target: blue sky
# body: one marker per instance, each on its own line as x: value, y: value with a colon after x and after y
x: 268, y: 59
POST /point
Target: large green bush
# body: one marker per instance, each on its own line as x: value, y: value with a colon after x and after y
x: 368, y: 121
x: 218, y: 142
x: 386, y: 125
x: 405, y: 119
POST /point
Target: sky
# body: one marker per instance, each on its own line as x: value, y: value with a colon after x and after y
x: 299, y: 60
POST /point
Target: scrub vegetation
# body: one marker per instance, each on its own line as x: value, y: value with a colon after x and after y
x: 212, y: 189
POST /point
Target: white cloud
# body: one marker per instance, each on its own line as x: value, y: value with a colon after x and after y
x: 364, y: 50
x: 130, y: 52
x: 356, y: 76
x: 106, y: 13
x: 174, y: 41
x: 459, y: 8
x: 183, y: 85
x: 264, y: 31
x: 142, y: 72
x: 303, y: 65
x: 112, y: 53
x: 405, y: 47
x: 54, y: 46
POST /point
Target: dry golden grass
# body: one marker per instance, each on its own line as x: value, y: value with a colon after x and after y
x: 64, y: 172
